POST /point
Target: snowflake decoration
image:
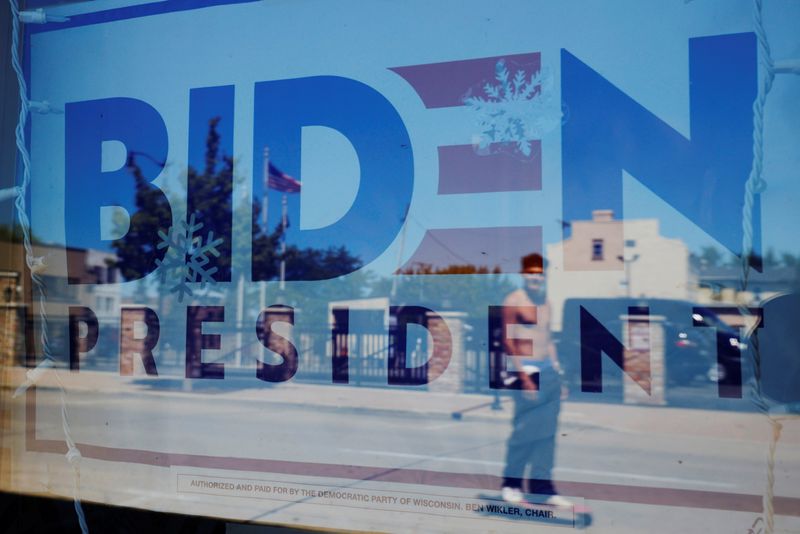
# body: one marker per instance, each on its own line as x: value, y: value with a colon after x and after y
x: 516, y: 110
x: 187, y: 256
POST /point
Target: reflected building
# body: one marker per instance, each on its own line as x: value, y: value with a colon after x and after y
x: 612, y: 258
x: 721, y: 284
x: 95, y: 287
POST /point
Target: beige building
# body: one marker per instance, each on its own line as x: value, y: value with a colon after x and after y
x: 81, y: 290
x: 607, y: 258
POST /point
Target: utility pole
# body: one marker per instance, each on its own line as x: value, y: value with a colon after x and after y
x: 627, y: 263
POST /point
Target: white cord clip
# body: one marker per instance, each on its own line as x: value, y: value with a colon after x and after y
x: 10, y: 192
x: 786, y: 66
x: 44, y: 107
x: 33, y: 376
x: 39, y: 16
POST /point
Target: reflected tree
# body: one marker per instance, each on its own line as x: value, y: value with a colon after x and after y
x: 212, y: 198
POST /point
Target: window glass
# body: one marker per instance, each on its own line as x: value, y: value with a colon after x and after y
x: 597, y: 249
x: 442, y: 266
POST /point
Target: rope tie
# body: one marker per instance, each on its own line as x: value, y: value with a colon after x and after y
x: 756, y: 185
x: 37, y: 264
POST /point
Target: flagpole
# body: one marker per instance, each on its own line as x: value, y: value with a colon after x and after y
x: 283, y: 241
x: 264, y: 205
x: 265, y: 195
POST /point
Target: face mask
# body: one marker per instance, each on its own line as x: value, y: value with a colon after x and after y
x: 536, y: 291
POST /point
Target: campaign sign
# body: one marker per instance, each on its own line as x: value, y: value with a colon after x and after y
x: 368, y: 265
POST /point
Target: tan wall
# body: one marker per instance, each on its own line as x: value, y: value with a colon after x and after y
x: 578, y: 248
x: 660, y: 270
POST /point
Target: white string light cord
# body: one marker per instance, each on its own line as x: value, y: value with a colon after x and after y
x: 756, y: 184
x: 35, y: 265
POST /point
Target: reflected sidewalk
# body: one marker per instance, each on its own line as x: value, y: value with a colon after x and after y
x: 402, y: 401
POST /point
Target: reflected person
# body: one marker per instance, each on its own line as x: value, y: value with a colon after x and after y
x: 535, y: 376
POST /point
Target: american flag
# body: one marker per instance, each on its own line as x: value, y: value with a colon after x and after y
x: 281, y: 181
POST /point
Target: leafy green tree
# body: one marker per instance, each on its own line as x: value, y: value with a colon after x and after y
x: 212, y: 203
x: 771, y: 259
x: 710, y: 256
x: 789, y: 260
x: 137, y: 251
x: 13, y: 234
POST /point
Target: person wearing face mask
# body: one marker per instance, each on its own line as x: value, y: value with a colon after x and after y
x: 535, y: 376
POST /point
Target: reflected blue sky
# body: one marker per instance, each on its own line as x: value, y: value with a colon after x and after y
x: 641, y: 49
x: 255, y: 58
